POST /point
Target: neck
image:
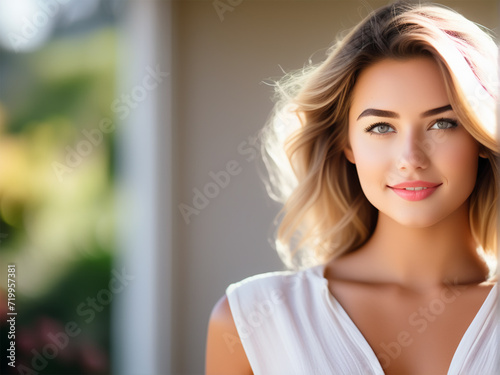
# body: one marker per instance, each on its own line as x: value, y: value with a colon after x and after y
x: 426, y: 257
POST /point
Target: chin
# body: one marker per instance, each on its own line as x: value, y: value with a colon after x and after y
x: 419, y: 221
x: 419, y: 224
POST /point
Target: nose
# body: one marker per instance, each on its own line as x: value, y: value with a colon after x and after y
x: 412, y: 153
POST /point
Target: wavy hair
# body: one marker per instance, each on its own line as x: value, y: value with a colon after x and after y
x: 325, y: 213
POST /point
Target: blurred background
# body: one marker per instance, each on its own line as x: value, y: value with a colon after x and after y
x: 58, y: 76
x: 130, y: 194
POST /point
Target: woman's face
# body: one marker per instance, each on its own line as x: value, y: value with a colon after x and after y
x: 403, y: 129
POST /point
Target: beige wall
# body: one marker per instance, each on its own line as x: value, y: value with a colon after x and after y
x: 220, y: 101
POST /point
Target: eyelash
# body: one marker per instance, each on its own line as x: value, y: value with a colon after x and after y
x: 368, y: 129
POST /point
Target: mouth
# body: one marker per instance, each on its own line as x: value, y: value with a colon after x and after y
x: 413, y: 188
x: 415, y: 185
x: 414, y: 193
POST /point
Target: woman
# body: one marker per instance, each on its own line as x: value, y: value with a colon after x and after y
x: 390, y: 210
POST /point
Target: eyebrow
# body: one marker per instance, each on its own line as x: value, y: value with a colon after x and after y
x: 390, y: 114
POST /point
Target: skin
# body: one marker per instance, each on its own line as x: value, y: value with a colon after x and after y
x: 419, y: 248
x: 421, y: 243
x: 224, y: 355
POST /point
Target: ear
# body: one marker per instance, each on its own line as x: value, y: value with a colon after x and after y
x: 349, y: 154
x: 482, y: 153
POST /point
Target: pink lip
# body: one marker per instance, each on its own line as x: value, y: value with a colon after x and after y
x: 415, y: 195
x: 415, y: 184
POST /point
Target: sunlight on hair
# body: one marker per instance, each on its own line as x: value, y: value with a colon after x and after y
x: 481, y: 99
x: 285, y: 124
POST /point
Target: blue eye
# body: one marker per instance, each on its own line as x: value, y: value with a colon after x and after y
x: 380, y: 127
x: 445, y: 123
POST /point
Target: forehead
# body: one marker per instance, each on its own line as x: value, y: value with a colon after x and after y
x: 409, y: 86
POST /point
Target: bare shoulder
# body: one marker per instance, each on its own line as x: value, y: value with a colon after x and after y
x: 225, y: 354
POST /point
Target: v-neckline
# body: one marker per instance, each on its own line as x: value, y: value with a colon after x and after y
x: 462, y: 346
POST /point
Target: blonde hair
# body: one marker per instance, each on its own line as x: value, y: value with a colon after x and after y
x: 325, y: 213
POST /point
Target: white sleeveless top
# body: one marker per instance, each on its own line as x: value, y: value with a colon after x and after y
x: 289, y: 323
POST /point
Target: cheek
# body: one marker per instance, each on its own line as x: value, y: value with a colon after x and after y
x: 373, y: 162
x: 458, y: 161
